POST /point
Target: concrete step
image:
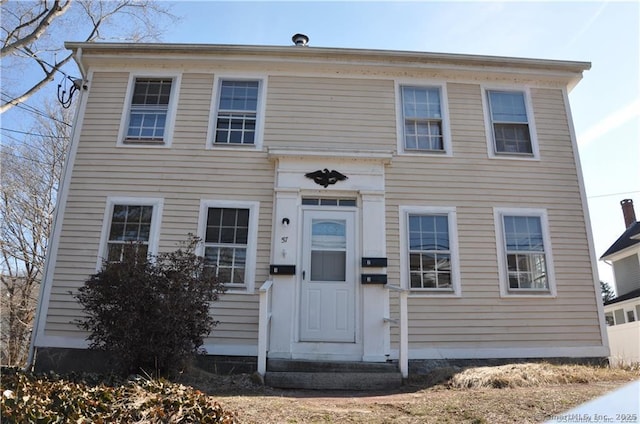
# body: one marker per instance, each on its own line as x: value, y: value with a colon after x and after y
x: 359, y: 381
x: 314, y: 375
x: 329, y: 366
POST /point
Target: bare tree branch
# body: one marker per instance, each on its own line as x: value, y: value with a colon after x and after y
x: 34, y: 36
x: 27, y: 200
x: 49, y: 76
x: 43, y: 21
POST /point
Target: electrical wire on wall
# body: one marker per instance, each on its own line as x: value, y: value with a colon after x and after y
x: 65, y: 97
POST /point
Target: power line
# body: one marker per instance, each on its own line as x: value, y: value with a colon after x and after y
x: 31, y: 109
x: 613, y: 194
x: 38, y: 135
x: 60, y: 155
x: 39, y: 162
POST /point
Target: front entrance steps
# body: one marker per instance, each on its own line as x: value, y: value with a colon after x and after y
x: 323, y: 375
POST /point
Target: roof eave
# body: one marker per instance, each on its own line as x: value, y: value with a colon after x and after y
x: 407, y: 57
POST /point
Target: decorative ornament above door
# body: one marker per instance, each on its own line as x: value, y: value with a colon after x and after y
x: 326, y: 177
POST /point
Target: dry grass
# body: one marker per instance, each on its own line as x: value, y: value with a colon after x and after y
x: 533, y: 375
x: 520, y: 393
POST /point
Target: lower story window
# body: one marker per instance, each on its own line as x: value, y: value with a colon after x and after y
x: 130, y: 228
x: 429, y: 258
x: 526, y: 262
x: 225, y: 243
x: 525, y: 252
x: 429, y: 253
x: 130, y: 224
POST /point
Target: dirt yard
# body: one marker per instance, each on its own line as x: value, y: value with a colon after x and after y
x: 525, y: 393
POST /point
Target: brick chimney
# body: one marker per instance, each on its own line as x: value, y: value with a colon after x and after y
x: 628, y: 212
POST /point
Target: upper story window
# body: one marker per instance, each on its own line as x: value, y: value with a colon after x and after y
x: 423, y: 120
x: 150, y: 114
x: 510, y: 124
x: 236, y: 120
x: 524, y: 247
x: 229, y: 232
x: 430, y: 261
x: 130, y: 223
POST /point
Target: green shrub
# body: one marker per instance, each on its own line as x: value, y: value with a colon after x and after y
x: 25, y: 398
x: 150, y: 313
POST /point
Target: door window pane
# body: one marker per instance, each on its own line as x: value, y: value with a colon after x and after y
x: 328, y: 250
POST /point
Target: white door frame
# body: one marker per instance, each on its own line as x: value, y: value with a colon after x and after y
x: 366, y: 182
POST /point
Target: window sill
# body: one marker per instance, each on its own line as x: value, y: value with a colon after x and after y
x: 238, y: 290
x: 532, y: 294
x: 426, y: 293
x: 233, y: 147
x: 435, y: 153
x: 143, y: 143
x: 514, y: 156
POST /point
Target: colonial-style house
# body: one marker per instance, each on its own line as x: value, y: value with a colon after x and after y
x: 362, y: 205
x: 622, y: 313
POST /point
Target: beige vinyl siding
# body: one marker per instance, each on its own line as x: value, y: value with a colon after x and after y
x: 183, y: 175
x: 327, y: 113
x: 475, y: 184
x: 238, y: 320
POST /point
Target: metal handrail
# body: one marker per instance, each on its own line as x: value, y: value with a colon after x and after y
x: 403, y: 351
x: 264, y: 325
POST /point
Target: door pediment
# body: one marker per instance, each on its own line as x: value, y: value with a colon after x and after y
x: 364, y: 170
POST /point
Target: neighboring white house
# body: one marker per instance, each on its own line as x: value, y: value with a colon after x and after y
x: 361, y: 205
x: 622, y: 313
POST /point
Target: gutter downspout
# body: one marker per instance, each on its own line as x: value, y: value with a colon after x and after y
x: 57, y: 217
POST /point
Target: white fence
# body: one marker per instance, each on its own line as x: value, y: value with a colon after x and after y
x: 624, y: 341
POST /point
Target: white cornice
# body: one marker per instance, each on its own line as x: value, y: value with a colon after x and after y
x: 569, y: 72
x: 328, y: 53
x: 383, y: 156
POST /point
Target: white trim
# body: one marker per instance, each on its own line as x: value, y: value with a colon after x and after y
x: 63, y: 342
x: 252, y: 238
x: 324, y: 61
x: 441, y: 85
x: 172, y: 109
x: 260, y: 111
x: 498, y: 214
x: 44, y: 297
x: 587, y: 222
x: 404, y: 212
x: 509, y: 352
x: 274, y: 153
x: 488, y: 122
x: 622, y: 254
x: 156, y: 218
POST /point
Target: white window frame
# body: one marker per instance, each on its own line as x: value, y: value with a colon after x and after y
x: 444, y: 105
x: 633, y: 315
x: 488, y: 123
x: 405, y: 211
x: 260, y: 111
x: 252, y: 238
x: 498, y: 214
x: 154, y: 234
x: 171, y: 110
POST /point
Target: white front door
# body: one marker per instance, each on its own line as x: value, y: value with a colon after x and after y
x: 327, y: 295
